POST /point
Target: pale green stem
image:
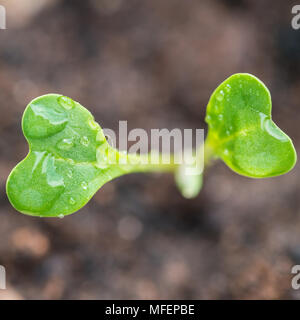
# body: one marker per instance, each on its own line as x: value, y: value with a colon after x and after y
x: 145, y: 163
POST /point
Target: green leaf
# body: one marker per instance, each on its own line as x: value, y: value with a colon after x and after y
x: 68, y: 161
x: 241, y: 130
x: 69, y: 158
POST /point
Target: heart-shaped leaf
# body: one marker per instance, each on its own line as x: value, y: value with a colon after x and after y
x: 241, y: 130
x: 68, y: 159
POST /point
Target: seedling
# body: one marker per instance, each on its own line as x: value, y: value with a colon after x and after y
x: 69, y: 157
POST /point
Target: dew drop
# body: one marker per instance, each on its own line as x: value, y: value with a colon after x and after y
x: 217, y: 108
x: 61, y: 216
x: 101, y: 159
x: 85, y: 141
x: 84, y: 185
x: 72, y: 201
x: 39, y: 155
x: 220, y: 95
x: 228, y: 88
x: 226, y: 152
x: 101, y: 156
x: 66, y: 102
x: 44, y: 121
x: 263, y: 118
x: 70, y: 174
x: 229, y: 131
x: 65, y: 144
x: 220, y: 116
x: 93, y: 125
x: 270, y: 127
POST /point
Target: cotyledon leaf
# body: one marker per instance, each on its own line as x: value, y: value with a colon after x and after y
x: 68, y: 159
x: 241, y: 130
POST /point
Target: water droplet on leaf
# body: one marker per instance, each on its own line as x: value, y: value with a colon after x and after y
x: 85, y: 141
x: 70, y: 174
x: 66, y: 102
x: 208, y: 118
x: 84, y: 185
x: 72, y: 201
x: 93, y: 125
x: 65, y: 144
x: 228, y: 88
x: 44, y: 121
x: 220, y: 95
x: 270, y: 127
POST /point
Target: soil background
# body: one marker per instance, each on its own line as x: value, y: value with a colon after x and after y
x: 155, y: 64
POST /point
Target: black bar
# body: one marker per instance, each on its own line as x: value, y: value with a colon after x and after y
x: 151, y: 309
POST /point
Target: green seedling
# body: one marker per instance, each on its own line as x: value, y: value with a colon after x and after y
x: 70, y: 158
